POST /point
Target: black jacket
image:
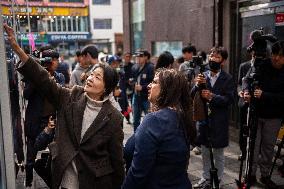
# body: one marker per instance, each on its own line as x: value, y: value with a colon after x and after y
x: 271, y: 82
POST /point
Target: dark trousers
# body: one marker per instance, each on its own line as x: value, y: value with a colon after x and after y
x: 42, y: 167
x: 31, y: 156
x: 243, y: 123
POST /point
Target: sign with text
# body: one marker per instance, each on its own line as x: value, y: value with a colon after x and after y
x: 68, y: 37
x: 279, y: 19
x: 46, y: 11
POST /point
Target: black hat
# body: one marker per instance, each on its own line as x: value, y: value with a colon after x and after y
x: 141, y: 53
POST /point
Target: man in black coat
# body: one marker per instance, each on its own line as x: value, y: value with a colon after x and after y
x: 269, y: 102
x: 218, y: 96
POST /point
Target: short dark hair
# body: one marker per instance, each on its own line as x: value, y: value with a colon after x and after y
x: 78, y: 53
x: 91, y: 50
x: 278, y: 48
x: 165, y: 60
x: 50, y: 53
x: 222, y: 51
x: 147, y: 53
x: 110, y: 78
x: 189, y: 49
x: 141, y: 53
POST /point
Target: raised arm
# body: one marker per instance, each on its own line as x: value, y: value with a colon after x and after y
x: 36, y: 74
x: 15, y: 46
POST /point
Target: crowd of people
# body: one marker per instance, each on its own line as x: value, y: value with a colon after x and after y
x: 79, y: 116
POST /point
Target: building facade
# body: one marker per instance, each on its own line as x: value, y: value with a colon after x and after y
x: 62, y: 24
x: 159, y: 25
x: 106, y: 25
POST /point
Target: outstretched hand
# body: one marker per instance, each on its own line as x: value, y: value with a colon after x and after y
x: 11, y: 35
x: 15, y: 46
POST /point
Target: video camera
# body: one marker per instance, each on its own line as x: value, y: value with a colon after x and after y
x: 197, y: 61
x: 259, y: 50
x: 45, y: 57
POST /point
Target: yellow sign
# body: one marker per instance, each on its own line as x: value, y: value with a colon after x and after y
x: 47, y: 11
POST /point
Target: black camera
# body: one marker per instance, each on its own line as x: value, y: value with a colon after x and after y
x: 259, y: 50
x: 198, y: 61
x: 44, y: 62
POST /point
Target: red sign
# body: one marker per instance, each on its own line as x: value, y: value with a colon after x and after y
x: 279, y: 19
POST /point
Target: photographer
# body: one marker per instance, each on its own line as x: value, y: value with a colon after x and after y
x: 216, y: 88
x: 269, y: 101
x: 38, y: 109
x: 188, y: 67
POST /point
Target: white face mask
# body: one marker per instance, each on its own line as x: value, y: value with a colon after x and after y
x: 117, y: 69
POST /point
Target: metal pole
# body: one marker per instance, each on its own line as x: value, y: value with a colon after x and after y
x: 29, y: 22
x: 6, y: 141
x: 14, y: 18
x: 214, y: 22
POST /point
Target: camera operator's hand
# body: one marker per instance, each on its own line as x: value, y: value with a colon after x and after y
x: 200, y: 79
x: 246, y: 96
x: 50, y: 126
x: 208, y: 95
x: 257, y: 93
x: 241, y: 94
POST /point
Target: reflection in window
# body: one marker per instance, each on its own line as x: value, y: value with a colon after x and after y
x: 101, y: 2
x: 66, y: 24
x: 171, y: 46
x: 102, y: 23
x: 53, y: 25
x: 58, y: 24
x: 64, y: 28
x: 74, y: 21
x: 48, y: 25
x: 69, y: 24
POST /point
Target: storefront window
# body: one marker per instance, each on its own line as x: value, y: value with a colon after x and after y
x: 101, y: 2
x: 66, y: 24
x: 59, y: 26
x: 171, y: 46
x: 75, y: 28
x: 69, y: 24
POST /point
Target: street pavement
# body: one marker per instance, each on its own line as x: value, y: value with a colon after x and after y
x: 194, y: 169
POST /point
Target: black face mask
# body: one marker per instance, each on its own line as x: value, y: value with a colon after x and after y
x: 214, y: 66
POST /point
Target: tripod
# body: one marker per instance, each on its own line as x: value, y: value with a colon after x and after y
x: 250, y: 134
x: 214, y: 180
x: 277, y: 155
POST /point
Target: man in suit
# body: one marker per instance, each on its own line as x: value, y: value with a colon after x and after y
x: 217, y: 97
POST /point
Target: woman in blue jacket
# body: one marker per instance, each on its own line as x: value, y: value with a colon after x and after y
x: 161, y: 153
